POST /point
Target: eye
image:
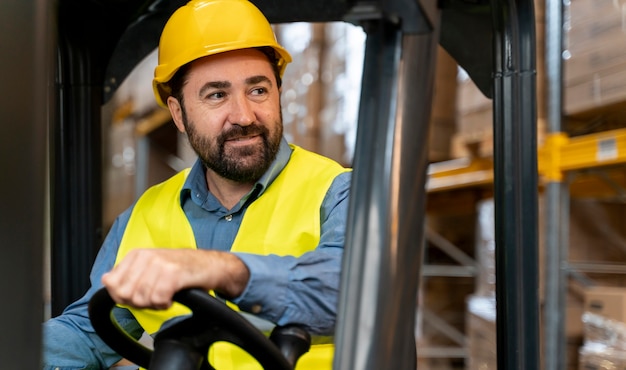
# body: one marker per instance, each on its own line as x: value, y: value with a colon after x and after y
x: 259, y: 91
x: 216, y: 95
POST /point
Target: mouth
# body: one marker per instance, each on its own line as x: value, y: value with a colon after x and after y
x: 243, y: 140
x: 242, y: 136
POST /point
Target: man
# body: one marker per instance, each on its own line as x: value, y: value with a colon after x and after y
x: 256, y: 220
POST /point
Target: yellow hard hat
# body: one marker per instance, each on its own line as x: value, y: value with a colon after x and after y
x: 207, y: 27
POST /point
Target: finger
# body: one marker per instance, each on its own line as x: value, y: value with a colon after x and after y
x: 158, y: 284
x: 124, y: 281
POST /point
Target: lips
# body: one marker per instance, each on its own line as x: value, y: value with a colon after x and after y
x: 244, y: 141
x: 243, y: 134
x: 242, y: 138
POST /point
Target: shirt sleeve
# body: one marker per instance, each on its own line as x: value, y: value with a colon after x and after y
x: 302, y: 290
x: 69, y: 340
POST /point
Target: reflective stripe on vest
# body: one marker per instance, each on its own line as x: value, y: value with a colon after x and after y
x: 294, y: 198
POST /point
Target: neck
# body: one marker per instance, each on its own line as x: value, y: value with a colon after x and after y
x: 227, y: 192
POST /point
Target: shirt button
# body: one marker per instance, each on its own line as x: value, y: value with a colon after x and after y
x: 228, y: 218
x: 256, y: 308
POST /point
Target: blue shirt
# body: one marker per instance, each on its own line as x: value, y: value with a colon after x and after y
x: 281, y: 289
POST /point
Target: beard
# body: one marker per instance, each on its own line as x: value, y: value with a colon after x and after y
x: 240, y: 164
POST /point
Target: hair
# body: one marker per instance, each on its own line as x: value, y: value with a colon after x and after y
x: 270, y: 53
x: 177, y: 82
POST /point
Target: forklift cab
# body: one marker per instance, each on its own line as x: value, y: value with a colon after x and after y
x: 83, y: 51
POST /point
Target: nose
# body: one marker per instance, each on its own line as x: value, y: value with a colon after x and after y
x: 241, y: 111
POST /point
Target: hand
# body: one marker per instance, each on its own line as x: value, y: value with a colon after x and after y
x: 148, y: 278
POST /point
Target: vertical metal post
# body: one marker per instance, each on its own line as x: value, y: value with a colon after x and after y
x: 384, y: 245
x: 515, y: 182
x: 556, y: 201
x: 556, y: 239
x: 76, y: 164
x: 27, y: 39
x: 142, y: 156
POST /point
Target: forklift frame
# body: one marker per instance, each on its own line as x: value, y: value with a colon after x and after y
x: 73, y: 67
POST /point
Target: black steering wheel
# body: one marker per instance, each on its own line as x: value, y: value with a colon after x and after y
x: 184, y: 345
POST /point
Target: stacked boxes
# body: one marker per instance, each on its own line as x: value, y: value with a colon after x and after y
x: 595, y: 55
x: 481, y: 306
x: 481, y: 333
x: 609, y: 302
x: 474, y: 111
x: 474, y: 119
x: 604, y: 324
x: 443, y: 119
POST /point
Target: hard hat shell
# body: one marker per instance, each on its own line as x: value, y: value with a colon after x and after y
x: 206, y: 27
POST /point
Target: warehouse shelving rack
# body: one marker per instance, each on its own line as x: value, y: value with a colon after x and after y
x: 592, y: 165
x: 559, y: 155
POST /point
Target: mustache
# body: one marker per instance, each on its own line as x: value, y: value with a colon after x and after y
x: 237, y: 131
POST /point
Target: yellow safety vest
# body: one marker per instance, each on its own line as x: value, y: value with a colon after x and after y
x: 284, y: 220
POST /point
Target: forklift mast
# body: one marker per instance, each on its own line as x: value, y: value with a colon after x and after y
x: 94, y: 44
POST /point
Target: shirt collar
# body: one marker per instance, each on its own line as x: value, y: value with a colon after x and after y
x: 196, y: 181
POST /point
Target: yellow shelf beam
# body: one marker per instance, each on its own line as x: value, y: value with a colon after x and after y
x: 153, y: 121
x: 559, y: 155
x: 459, y: 173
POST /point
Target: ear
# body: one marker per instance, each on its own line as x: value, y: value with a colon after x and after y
x: 176, y: 110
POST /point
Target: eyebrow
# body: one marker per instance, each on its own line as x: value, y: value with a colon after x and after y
x: 258, y: 79
x: 214, y: 85
x: 226, y: 84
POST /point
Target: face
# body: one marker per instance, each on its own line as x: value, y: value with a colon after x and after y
x: 231, y: 113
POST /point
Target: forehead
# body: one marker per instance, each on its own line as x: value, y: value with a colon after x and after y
x: 230, y: 66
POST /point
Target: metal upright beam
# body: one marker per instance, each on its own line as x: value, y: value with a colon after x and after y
x: 26, y: 38
x: 88, y: 32
x: 556, y: 201
x: 384, y: 245
x: 76, y: 167
x: 515, y: 185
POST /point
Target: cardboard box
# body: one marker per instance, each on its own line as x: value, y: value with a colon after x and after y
x: 594, y: 359
x: 609, y: 302
x: 469, y: 97
x: 595, y: 39
x: 602, y: 89
x: 475, y: 125
x: 474, y: 122
x: 606, y: 55
x: 585, y: 10
x: 596, y: 25
x: 481, y: 333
